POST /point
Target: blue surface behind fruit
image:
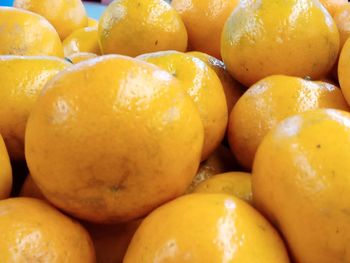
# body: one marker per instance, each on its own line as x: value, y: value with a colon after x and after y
x: 93, y: 9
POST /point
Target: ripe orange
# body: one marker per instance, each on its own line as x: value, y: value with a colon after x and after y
x: 65, y: 15
x: 333, y: 5
x: 81, y: 56
x: 267, y: 37
x: 205, y: 89
x: 301, y: 183
x: 33, y: 231
x: 204, y: 20
x: 206, y: 228
x: 123, y: 137
x: 27, y: 33
x: 130, y: 27
x: 268, y: 102
x: 344, y: 70
x: 342, y: 19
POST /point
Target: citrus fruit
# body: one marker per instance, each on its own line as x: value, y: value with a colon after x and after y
x: 206, y: 228
x: 268, y: 102
x: 65, y: 15
x: 123, y: 137
x: 5, y: 171
x: 333, y: 5
x: 301, y: 183
x: 130, y: 27
x: 238, y: 184
x: 204, y: 21
x: 27, y: 33
x: 111, y: 241
x: 82, y: 40
x: 344, y: 70
x: 205, y: 89
x: 233, y: 90
x: 342, y: 19
x: 76, y: 58
x: 33, y: 231
x: 259, y: 40
x: 220, y: 161
x: 22, y: 80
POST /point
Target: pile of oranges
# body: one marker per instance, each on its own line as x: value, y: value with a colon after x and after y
x: 199, y: 131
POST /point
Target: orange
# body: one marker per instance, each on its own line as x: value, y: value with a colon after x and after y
x: 301, y: 183
x: 333, y: 5
x: 130, y: 27
x: 344, y: 70
x: 218, y: 162
x: 263, y: 38
x: 26, y: 33
x: 232, y: 89
x: 238, y: 184
x: 33, y: 231
x: 65, y: 15
x: 5, y: 171
x: 22, y: 78
x: 112, y: 241
x: 206, y: 228
x: 205, y: 89
x: 81, y: 56
x: 342, y: 19
x: 123, y: 141
x: 268, y: 102
x: 204, y: 20
x: 82, y: 40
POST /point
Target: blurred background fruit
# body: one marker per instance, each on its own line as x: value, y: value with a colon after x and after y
x: 27, y: 33
x: 65, y: 15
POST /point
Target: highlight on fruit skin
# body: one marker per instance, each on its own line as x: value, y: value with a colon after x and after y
x: 143, y: 152
x: 206, y: 228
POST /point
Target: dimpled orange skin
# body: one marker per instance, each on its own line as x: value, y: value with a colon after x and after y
x: 342, y: 19
x: 204, y: 20
x: 290, y: 37
x: 135, y: 27
x: 206, y: 228
x: 33, y: 231
x: 27, y: 33
x: 22, y: 80
x: 333, y: 5
x: 238, y: 184
x: 301, y: 183
x: 205, y: 89
x: 233, y: 90
x: 81, y: 56
x: 65, y: 15
x: 5, y: 171
x: 268, y: 102
x: 82, y: 40
x: 123, y: 137
x: 344, y: 70
x: 112, y: 241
